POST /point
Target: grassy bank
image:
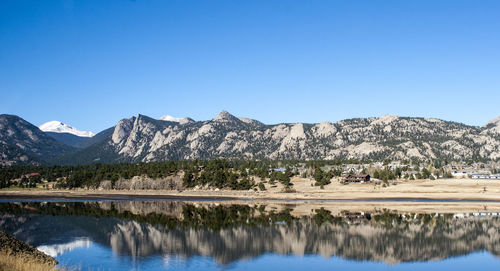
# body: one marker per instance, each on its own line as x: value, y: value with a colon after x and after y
x: 17, y: 255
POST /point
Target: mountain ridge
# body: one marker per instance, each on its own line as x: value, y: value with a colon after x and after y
x: 145, y: 139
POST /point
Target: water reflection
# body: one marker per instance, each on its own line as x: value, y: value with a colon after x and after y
x: 230, y: 233
x: 55, y: 250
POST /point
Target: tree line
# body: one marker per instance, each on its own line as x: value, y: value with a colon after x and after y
x: 220, y: 173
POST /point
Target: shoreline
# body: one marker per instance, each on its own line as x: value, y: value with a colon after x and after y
x: 420, y: 190
x: 149, y: 195
x: 300, y: 206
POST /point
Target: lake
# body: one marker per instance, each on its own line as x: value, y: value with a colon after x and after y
x: 177, y: 235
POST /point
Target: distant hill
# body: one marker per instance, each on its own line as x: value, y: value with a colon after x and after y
x: 78, y: 142
x: 95, y: 151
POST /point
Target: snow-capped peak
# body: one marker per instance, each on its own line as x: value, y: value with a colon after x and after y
x: 59, y: 127
x: 173, y: 119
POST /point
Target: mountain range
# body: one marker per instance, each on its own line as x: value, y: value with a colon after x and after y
x: 145, y: 139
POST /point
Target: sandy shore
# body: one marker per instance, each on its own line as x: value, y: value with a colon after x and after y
x: 442, y: 189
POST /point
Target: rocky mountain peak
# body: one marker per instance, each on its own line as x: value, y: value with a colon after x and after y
x: 251, y: 121
x: 495, y: 122
x: 225, y: 116
x: 122, y: 129
x: 143, y: 120
x: 493, y: 126
x: 386, y: 119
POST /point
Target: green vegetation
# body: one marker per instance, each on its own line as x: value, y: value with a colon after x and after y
x: 219, y: 173
x: 214, y: 217
x: 322, y: 216
x: 216, y: 173
x: 217, y: 217
x: 384, y: 174
x: 282, y: 177
x: 322, y: 178
x: 86, y: 175
x: 223, y: 216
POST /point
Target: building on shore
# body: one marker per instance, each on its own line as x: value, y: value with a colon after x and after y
x: 485, y: 176
x: 357, y: 178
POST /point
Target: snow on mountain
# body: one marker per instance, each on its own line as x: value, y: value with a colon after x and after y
x: 59, y: 127
x: 59, y: 249
x: 173, y: 119
x: 170, y: 118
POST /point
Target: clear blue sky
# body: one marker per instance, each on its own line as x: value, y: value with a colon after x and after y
x: 91, y: 63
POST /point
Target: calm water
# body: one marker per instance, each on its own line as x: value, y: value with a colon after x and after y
x: 167, y: 235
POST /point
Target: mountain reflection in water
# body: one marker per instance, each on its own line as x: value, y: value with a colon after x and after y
x: 57, y: 249
x: 229, y: 233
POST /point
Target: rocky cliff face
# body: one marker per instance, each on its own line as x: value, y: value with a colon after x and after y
x: 145, y: 139
x: 23, y: 143
x: 493, y: 127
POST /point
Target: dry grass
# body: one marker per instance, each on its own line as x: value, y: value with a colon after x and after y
x: 16, y: 263
x: 17, y: 255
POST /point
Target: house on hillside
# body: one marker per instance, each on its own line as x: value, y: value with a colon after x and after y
x: 459, y: 174
x: 277, y: 170
x: 357, y: 178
